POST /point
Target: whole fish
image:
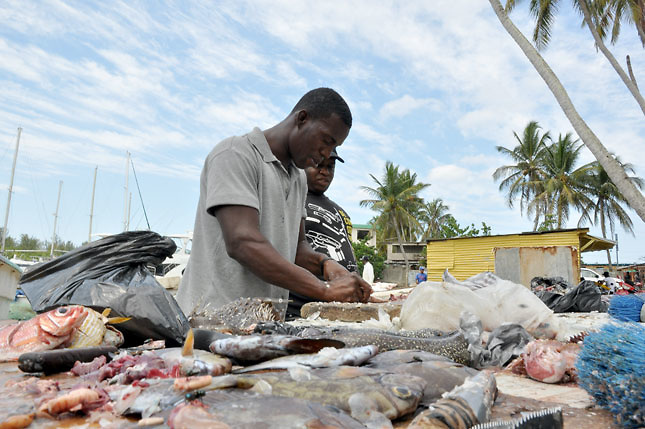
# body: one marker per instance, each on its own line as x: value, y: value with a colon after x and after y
x: 464, y: 406
x: 452, y: 344
x: 257, y: 348
x: 326, y: 357
x: 371, y: 396
x: 441, y: 374
x: 193, y: 362
x: 263, y: 411
x: 46, y: 331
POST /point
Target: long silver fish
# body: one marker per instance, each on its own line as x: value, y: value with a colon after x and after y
x: 326, y: 357
x: 257, y: 348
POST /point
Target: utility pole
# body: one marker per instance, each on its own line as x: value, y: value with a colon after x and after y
x: 126, y: 205
x: 616, y: 240
x: 89, y: 235
x: 60, y: 188
x: 13, y: 170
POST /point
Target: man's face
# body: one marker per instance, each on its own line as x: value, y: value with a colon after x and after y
x: 319, y: 178
x: 313, y: 140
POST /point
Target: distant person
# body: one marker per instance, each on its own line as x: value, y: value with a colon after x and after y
x: 628, y: 279
x: 328, y: 228
x: 421, y: 275
x: 368, y: 270
x: 249, y: 235
x: 610, y: 282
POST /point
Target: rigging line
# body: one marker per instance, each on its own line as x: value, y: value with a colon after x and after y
x: 139, y: 189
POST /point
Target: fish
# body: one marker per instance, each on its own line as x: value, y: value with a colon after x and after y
x: 452, y: 344
x: 263, y: 411
x: 441, y: 374
x: 369, y: 395
x: 55, y: 361
x: 95, y: 331
x: 551, y: 361
x: 464, y: 406
x: 326, y: 357
x: 239, y: 316
x: 46, y: 331
x: 257, y: 348
x: 190, y: 361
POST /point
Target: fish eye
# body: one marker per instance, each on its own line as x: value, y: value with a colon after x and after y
x: 401, y: 392
x: 62, y: 310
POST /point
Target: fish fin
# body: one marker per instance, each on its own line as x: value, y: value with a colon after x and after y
x: 189, y: 343
x: 117, y: 320
x: 106, y: 312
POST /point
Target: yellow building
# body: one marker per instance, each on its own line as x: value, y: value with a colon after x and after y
x: 466, y: 256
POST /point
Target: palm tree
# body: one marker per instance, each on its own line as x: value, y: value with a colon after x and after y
x: 563, y: 185
x: 522, y: 178
x: 434, y: 215
x: 611, y: 166
x: 396, y: 199
x: 607, y: 205
x: 544, y: 12
x: 612, y: 13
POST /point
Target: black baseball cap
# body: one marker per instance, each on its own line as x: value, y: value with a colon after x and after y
x: 334, y: 155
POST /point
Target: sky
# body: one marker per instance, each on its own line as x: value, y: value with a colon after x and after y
x: 433, y: 87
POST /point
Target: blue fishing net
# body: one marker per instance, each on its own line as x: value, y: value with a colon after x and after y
x: 626, y: 308
x: 611, y: 367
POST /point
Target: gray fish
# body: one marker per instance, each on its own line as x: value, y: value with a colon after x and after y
x: 239, y: 316
x: 261, y: 412
x: 452, y: 345
x: 257, y: 348
x: 464, y: 406
x: 441, y: 374
x: 371, y: 396
x: 326, y: 357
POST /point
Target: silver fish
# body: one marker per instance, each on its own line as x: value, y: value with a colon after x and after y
x: 257, y: 348
x: 326, y: 357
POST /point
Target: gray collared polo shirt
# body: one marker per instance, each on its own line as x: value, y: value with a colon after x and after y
x: 241, y: 171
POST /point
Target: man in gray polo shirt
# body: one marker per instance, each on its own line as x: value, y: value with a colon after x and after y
x: 248, y: 239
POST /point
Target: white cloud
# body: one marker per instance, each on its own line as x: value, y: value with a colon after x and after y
x: 405, y: 105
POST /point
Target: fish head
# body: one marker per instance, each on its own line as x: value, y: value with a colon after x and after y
x: 63, y: 320
x: 404, y: 391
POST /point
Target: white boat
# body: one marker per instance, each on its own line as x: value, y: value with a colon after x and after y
x: 9, y: 276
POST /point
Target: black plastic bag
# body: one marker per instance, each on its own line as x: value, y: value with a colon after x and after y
x: 583, y: 298
x: 111, y: 273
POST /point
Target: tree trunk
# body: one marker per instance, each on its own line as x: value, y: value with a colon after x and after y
x: 405, y: 256
x: 610, y: 57
x: 617, y: 174
x: 603, y: 229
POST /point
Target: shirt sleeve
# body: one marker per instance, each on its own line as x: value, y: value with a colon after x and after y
x: 232, y: 178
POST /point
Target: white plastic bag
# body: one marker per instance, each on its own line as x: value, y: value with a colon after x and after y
x: 493, y: 300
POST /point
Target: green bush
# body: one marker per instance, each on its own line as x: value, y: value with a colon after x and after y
x: 376, y: 259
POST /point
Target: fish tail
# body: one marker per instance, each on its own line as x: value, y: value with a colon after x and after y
x: 189, y: 344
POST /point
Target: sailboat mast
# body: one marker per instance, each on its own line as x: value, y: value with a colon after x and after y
x: 89, y: 234
x: 13, y: 170
x: 126, y: 208
x: 60, y: 188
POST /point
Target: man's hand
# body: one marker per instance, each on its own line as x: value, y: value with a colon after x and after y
x: 348, y: 288
x: 333, y: 270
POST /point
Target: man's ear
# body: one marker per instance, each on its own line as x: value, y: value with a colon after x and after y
x: 301, y: 117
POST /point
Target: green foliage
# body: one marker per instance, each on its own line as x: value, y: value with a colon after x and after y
x: 377, y: 259
x: 549, y: 184
x: 452, y: 229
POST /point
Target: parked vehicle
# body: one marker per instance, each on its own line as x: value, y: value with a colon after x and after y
x: 608, y: 285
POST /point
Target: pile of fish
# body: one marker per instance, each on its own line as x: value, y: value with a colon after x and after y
x: 332, y: 378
